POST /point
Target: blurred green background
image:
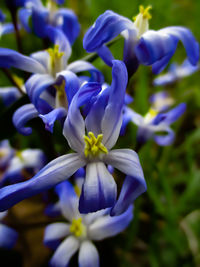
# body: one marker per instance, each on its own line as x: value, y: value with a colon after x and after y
x: 166, y: 226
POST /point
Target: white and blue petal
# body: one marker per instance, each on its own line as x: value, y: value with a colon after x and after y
x: 8, y: 237
x: 54, y: 233
x: 68, y: 200
x: 9, y: 95
x: 88, y: 255
x: 53, y: 173
x: 107, y: 226
x: 112, y: 119
x: 81, y: 65
x: 10, y: 58
x: 99, y: 190
x: 64, y: 252
x: 106, y: 27
x: 68, y: 22
x: 127, y: 161
x: 74, y: 126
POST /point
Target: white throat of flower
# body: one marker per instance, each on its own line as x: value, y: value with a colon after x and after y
x: 142, y: 20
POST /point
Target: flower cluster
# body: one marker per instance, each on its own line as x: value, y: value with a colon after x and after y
x: 92, y: 113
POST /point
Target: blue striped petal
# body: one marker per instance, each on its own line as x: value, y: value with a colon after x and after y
x: 53, y: 173
x: 70, y: 25
x: 112, y: 120
x: 107, y: 226
x: 106, y: 27
x: 127, y: 161
x: 88, y: 255
x: 99, y: 189
x: 64, y: 252
x: 10, y: 58
x: 9, y: 95
x: 74, y: 126
x: 24, y: 17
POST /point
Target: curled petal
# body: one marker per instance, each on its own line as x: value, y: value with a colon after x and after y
x: 127, y: 161
x: 173, y: 115
x: 53, y: 173
x: 22, y: 116
x: 64, y: 252
x: 107, y: 26
x: 107, y: 226
x: 10, y: 58
x: 6, y: 28
x: 165, y: 140
x: 88, y: 255
x: 99, y: 190
x: 50, y: 118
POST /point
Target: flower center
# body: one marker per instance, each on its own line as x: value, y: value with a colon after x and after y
x: 93, y: 145
x: 78, y: 228
x: 142, y: 20
x: 55, y: 62
x: 151, y: 114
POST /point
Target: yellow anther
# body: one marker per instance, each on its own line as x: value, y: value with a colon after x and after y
x: 144, y: 12
x: 78, y: 228
x: 55, y: 59
x: 93, y: 145
x: 19, y: 81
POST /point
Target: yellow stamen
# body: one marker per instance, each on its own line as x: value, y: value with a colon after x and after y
x: 19, y: 81
x: 78, y: 228
x: 142, y: 20
x: 55, y: 59
x: 93, y: 145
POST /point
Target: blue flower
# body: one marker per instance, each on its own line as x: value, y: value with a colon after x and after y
x: 22, y: 165
x: 176, y: 72
x: 9, y: 95
x: 5, y: 28
x: 54, y: 83
x: 8, y: 236
x: 154, y: 122
x: 79, y: 232
x: 161, y: 101
x: 142, y: 46
x: 62, y: 18
x: 103, y: 122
